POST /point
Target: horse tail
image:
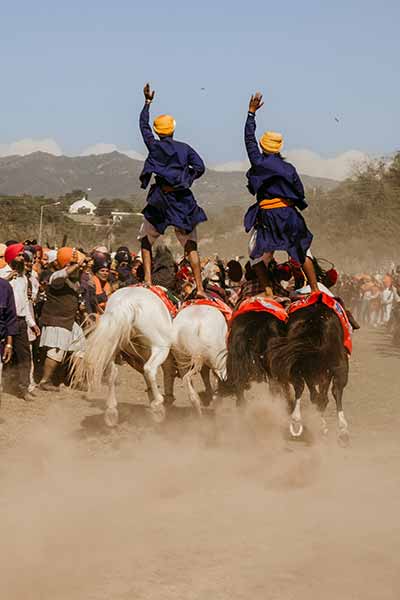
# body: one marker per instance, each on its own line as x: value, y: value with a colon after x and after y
x: 314, y: 334
x: 247, y: 349
x: 110, y: 334
x: 284, y: 354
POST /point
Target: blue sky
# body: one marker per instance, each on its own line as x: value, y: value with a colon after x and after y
x: 74, y: 71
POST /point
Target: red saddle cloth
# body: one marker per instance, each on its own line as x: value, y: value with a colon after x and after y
x: 162, y: 294
x: 260, y: 304
x: 214, y: 302
x: 334, y: 305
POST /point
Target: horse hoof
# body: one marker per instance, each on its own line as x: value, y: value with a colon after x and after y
x: 343, y: 439
x: 111, y: 417
x: 158, y: 413
x: 296, y: 429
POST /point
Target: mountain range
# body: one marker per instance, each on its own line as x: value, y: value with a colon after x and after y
x: 115, y: 175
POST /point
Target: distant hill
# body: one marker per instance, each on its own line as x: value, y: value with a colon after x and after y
x: 115, y: 175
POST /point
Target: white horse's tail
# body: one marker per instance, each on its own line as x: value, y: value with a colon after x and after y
x: 105, y: 339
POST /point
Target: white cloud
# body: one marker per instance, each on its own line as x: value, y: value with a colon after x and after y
x: 103, y: 148
x: 28, y: 145
x: 311, y: 163
x: 338, y: 167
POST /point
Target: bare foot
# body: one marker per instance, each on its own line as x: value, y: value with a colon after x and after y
x: 268, y: 292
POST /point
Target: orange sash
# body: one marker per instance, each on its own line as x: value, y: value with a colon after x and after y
x: 270, y: 203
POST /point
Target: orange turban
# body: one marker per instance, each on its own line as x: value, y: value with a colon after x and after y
x: 271, y: 142
x: 64, y: 256
x: 164, y: 125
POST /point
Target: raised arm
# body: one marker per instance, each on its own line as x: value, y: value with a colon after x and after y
x: 253, y: 151
x: 144, y: 120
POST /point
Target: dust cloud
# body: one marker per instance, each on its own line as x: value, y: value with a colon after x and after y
x: 223, y: 509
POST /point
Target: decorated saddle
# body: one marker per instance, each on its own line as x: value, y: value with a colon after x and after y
x: 334, y: 305
x: 214, y: 302
x: 261, y: 304
x: 162, y: 293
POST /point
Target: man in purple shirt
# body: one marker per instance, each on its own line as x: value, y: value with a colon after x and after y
x: 175, y: 166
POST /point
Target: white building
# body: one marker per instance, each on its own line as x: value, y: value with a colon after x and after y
x: 83, y: 203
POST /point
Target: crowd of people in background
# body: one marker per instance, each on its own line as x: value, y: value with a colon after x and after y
x: 48, y: 297
x: 373, y: 299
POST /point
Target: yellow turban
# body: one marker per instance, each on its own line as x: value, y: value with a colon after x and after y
x: 164, y: 125
x: 271, y: 142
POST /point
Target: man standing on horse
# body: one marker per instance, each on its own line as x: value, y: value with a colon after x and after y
x: 274, y: 220
x: 170, y: 201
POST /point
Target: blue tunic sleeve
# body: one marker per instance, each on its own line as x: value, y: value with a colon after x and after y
x: 8, y: 313
x: 298, y: 184
x: 253, y: 151
x: 145, y: 129
x: 196, y: 164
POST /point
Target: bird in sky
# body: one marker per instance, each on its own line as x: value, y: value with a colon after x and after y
x: 337, y: 120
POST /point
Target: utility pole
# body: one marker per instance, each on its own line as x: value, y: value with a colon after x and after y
x: 41, y: 218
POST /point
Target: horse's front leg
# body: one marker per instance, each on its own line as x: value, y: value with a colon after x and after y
x: 340, y: 379
x: 157, y: 358
x: 296, y: 423
x: 111, y: 412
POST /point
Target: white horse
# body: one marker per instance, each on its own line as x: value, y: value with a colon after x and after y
x: 198, y: 346
x: 137, y: 324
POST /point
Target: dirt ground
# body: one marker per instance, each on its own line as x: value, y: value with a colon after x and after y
x: 226, y: 509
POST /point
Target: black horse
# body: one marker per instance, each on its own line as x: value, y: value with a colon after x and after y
x: 249, y: 343
x: 312, y: 354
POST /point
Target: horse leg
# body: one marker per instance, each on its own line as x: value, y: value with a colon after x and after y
x: 340, y: 379
x: 296, y: 425
x: 323, y: 389
x: 157, y: 358
x: 208, y: 395
x: 111, y: 412
x: 241, y: 401
x: 193, y: 395
x: 169, y: 374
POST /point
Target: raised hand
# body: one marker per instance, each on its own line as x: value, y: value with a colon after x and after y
x: 148, y: 93
x: 256, y: 102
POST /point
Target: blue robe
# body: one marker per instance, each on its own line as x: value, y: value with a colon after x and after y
x: 176, y: 165
x: 8, y: 314
x: 272, y: 177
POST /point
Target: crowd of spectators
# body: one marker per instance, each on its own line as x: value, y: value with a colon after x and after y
x: 373, y: 299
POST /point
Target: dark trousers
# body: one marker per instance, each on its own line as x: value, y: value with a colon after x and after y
x: 18, y: 371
